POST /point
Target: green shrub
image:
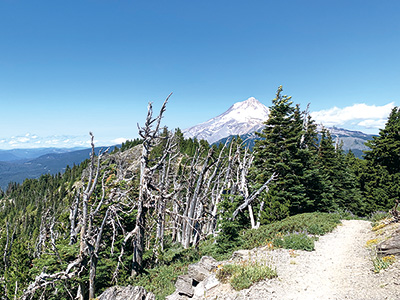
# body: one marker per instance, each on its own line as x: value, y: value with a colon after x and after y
x: 295, y: 241
x: 378, y: 216
x: 160, y: 280
x: 314, y: 223
x: 242, y: 276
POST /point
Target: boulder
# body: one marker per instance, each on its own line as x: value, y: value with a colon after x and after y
x: 198, y: 280
x: 390, y: 246
x: 126, y: 293
x: 184, y: 285
x: 201, y: 270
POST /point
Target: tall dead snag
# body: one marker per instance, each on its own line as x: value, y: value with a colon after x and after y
x: 163, y: 189
x: 83, y: 213
x: 146, y: 185
x: 192, y: 205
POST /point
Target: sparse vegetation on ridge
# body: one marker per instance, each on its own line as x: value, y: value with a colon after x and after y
x: 144, y: 219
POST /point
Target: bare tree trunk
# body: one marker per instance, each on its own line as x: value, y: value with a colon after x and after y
x: 251, y: 214
x: 149, y: 135
x: 94, y: 258
x: 249, y: 200
x: 193, y: 203
x: 72, y: 217
x: 259, y: 215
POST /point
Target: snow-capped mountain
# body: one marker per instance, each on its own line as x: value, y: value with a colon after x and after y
x: 244, y: 118
x: 241, y: 118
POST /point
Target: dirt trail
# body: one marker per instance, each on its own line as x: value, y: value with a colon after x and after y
x: 339, y: 268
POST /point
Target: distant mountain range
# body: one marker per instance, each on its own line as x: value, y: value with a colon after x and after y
x: 32, y: 153
x: 247, y: 117
x: 34, y: 163
x: 242, y: 118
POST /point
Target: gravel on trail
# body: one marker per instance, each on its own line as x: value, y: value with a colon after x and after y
x: 339, y: 268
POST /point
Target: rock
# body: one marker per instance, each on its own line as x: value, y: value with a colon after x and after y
x: 203, y: 287
x: 196, y: 282
x: 390, y: 246
x: 199, y: 271
x: 211, y: 282
x: 126, y: 293
x: 184, y: 285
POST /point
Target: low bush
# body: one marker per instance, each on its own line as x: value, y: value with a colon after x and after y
x: 295, y: 241
x: 160, y: 280
x: 245, y: 274
x: 313, y: 223
x: 377, y: 216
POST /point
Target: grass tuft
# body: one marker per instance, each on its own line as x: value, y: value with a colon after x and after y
x: 382, y: 263
x: 244, y: 274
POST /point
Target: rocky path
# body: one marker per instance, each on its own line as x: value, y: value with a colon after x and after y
x: 339, y: 268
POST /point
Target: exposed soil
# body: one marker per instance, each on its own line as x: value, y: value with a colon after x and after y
x: 339, y: 268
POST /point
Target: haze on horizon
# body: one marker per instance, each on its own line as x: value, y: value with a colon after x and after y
x: 67, y: 68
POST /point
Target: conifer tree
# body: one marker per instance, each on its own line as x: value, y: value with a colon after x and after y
x: 385, y: 148
x: 381, y: 175
x: 278, y: 151
x: 342, y: 191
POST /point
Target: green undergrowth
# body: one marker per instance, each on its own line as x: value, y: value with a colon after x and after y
x: 242, y: 276
x: 296, y: 232
x: 378, y: 216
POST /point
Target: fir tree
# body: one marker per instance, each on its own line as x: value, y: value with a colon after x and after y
x: 278, y: 151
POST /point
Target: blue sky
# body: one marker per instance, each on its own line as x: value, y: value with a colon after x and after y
x: 70, y: 67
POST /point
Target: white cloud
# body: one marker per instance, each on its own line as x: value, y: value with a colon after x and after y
x: 34, y: 141
x: 119, y: 140
x: 362, y: 115
x: 23, y: 139
x: 373, y: 123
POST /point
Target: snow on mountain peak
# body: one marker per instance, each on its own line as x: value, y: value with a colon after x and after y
x: 249, y: 102
x: 241, y: 118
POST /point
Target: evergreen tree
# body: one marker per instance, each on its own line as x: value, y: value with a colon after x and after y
x: 278, y: 151
x: 381, y: 174
x: 385, y: 148
x: 342, y: 191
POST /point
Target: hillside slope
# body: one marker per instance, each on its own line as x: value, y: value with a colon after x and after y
x: 51, y: 163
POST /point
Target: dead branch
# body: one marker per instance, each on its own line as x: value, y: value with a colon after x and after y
x: 249, y: 200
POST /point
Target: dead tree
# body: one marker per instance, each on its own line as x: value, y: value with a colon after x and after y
x: 192, y: 203
x: 83, y: 212
x: 149, y: 134
x: 251, y: 198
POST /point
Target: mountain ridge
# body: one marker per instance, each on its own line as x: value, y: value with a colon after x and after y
x: 49, y: 163
x: 245, y: 118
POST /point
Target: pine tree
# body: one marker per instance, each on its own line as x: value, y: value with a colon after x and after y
x: 382, y: 169
x: 385, y: 148
x: 341, y: 192
x: 278, y: 151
